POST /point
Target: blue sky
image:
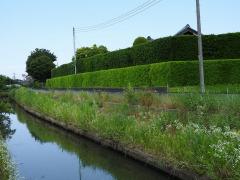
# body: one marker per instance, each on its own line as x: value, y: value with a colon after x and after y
x: 27, y: 24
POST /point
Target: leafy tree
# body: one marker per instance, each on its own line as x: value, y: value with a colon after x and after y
x: 4, y: 81
x: 140, y: 40
x: 85, y: 52
x: 41, y: 68
x: 40, y: 63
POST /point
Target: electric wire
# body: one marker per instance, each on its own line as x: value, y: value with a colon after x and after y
x: 121, y: 16
x: 148, y: 4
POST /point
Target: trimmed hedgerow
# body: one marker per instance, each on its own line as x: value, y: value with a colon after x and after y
x: 186, y: 73
x: 136, y: 76
x: 63, y: 70
x: 116, y: 59
x: 178, y: 73
x: 180, y: 48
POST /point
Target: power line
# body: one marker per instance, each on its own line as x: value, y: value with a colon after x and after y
x: 121, y: 16
x: 141, y: 8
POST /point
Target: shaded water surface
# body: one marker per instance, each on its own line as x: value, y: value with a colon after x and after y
x: 43, y: 151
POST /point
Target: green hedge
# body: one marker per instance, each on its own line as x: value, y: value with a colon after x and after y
x: 181, y: 48
x: 137, y: 76
x: 178, y: 73
x: 63, y: 70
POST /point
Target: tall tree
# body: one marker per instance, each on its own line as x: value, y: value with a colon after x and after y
x: 39, y: 64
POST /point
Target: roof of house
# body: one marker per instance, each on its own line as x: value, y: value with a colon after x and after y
x: 187, y: 30
x: 150, y: 39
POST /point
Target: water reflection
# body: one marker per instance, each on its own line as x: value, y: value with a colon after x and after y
x: 5, y: 123
x: 47, y: 152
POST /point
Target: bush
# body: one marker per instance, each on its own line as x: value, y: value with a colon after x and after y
x: 181, y: 48
x: 130, y: 96
x: 179, y: 73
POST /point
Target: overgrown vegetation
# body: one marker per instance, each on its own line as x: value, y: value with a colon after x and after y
x: 183, y: 48
x: 192, y: 132
x: 180, y: 73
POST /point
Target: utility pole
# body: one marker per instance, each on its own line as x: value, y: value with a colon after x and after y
x: 74, y: 49
x: 200, y: 49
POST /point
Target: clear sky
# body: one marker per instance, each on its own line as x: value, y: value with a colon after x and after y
x: 29, y: 24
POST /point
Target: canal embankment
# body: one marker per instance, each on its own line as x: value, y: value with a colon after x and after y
x: 179, y: 143
x: 50, y: 152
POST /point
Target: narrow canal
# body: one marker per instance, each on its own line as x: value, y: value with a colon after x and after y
x: 42, y: 151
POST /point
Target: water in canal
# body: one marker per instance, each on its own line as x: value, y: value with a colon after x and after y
x: 44, y: 152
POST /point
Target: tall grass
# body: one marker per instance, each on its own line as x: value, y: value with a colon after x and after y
x: 7, y: 169
x: 200, y: 135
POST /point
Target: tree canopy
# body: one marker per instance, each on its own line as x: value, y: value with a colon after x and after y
x: 140, y: 40
x: 4, y: 80
x: 40, y: 63
x: 85, y: 52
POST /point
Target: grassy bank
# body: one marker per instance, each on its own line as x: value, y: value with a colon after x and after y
x: 199, y: 134
x: 91, y: 154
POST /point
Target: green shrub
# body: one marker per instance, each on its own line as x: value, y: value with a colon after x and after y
x: 146, y: 99
x: 130, y: 96
x: 178, y: 73
x: 181, y: 48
